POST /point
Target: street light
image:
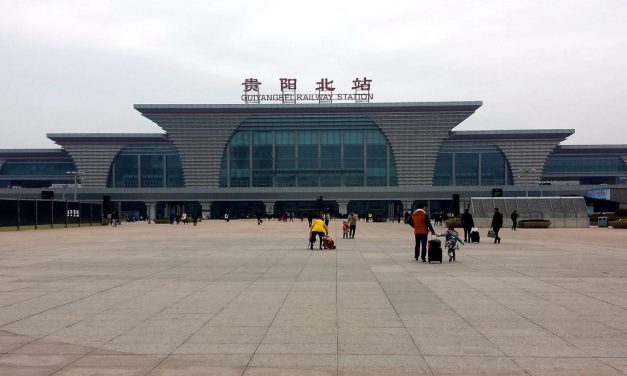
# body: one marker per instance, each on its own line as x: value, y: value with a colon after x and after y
x: 524, y: 173
x: 76, y: 173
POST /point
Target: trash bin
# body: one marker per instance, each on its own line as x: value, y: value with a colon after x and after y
x: 602, y: 222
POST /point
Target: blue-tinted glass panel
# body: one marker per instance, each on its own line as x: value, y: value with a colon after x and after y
x: 285, y: 180
x: 492, y: 169
x: 443, y: 170
x: 330, y: 179
x: 354, y: 179
x: 151, y: 171
x: 126, y: 171
x: 36, y: 167
x: 307, y: 151
x: 174, y: 171
x: 467, y: 169
x: 292, y: 151
x: 583, y: 164
x: 240, y: 160
x: 308, y: 180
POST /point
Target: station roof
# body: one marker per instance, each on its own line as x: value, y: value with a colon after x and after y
x: 512, y: 134
x: 306, y: 108
x: 108, y: 137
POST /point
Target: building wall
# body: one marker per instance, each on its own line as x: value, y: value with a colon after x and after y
x: 414, y: 132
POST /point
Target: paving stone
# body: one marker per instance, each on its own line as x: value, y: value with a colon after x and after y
x: 240, y: 299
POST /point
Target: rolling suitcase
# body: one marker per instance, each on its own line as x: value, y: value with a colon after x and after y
x: 475, y: 237
x: 435, y: 250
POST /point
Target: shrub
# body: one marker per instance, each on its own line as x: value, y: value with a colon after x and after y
x: 455, y: 222
x: 621, y: 223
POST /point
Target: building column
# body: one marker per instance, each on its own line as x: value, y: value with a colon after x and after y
x: 151, y: 210
x: 342, y: 207
x: 206, y: 209
x: 407, y: 205
x: 269, y: 207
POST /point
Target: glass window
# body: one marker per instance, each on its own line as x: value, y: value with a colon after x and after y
x: 126, y: 171
x: 308, y: 180
x: 174, y: 171
x: 467, y: 169
x: 240, y: 160
x: 330, y: 179
x: 354, y: 179
x: 492, y: 169
x: 444, y: 170
x: 307, y: 150
x: 307, y: 157
x: 285, y: 150
x: 152, y: 171
x: 285, y: 180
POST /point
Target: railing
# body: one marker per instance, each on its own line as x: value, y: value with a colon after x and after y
x: 32, y: 213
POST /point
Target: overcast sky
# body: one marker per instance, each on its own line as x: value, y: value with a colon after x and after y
x: 79, y: 66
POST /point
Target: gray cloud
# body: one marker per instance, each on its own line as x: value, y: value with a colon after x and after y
x: 79, y: 66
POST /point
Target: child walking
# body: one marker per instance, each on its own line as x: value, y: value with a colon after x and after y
x: 452, y: 238
x: 345, y: 230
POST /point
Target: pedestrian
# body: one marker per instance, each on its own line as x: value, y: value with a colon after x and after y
x: 437, y: 219
x: 318, y: 228
x: 184, y: 218
x: 497, y: 223
x: 352, y: 225
x: 514, y: 217
x: 178, y: 219
x: 195, y: 218
x: 327, y: 218
x: 398, y: 217
x: 467, y: 223
x: 422, y: 226
x: 259, y: 220
x: 345, y: 230
x: 226, y: 217
x: 309, y: 218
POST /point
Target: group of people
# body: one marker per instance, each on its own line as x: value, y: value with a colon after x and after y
x: 421, y: 223
x: 184, y: 218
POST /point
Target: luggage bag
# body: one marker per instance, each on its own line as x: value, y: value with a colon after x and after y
x: 435, y: 250
x: 475, y: 237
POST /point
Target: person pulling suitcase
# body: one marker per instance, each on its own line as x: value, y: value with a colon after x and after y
x: 421, y: 223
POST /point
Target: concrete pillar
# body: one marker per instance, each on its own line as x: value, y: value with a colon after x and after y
x: 269, y: 207
x: 206, y: 209
x: 342, y: 207
x: 407, y: 205
x: 151, y: 209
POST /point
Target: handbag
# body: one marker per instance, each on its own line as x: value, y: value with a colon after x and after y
x: 491, y: 233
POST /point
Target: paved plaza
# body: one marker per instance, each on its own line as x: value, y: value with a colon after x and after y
x: 240, y: 299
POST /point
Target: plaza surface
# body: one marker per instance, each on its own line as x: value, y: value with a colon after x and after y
x: 240, y: 299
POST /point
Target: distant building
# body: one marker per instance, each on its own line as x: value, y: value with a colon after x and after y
x: 367, y: 157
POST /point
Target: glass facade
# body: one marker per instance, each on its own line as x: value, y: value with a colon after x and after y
x: 471, y: 163
x: 36, y: 172
x: 37, y: 167
x: 146, y: 166
x: 586, y: 169
x: 308, y: 152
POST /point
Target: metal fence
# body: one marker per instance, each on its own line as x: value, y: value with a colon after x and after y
x: 48, y: 213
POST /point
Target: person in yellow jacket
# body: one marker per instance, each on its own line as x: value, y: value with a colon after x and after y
x: 317, y: 228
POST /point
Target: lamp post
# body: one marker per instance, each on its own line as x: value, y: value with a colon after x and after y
x: 76, y: 173
x: 524, y: 173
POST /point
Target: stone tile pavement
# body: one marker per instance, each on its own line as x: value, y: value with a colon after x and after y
x: 240, y: 299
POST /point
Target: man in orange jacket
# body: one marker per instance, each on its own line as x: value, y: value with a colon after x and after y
x: 422, y: 226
